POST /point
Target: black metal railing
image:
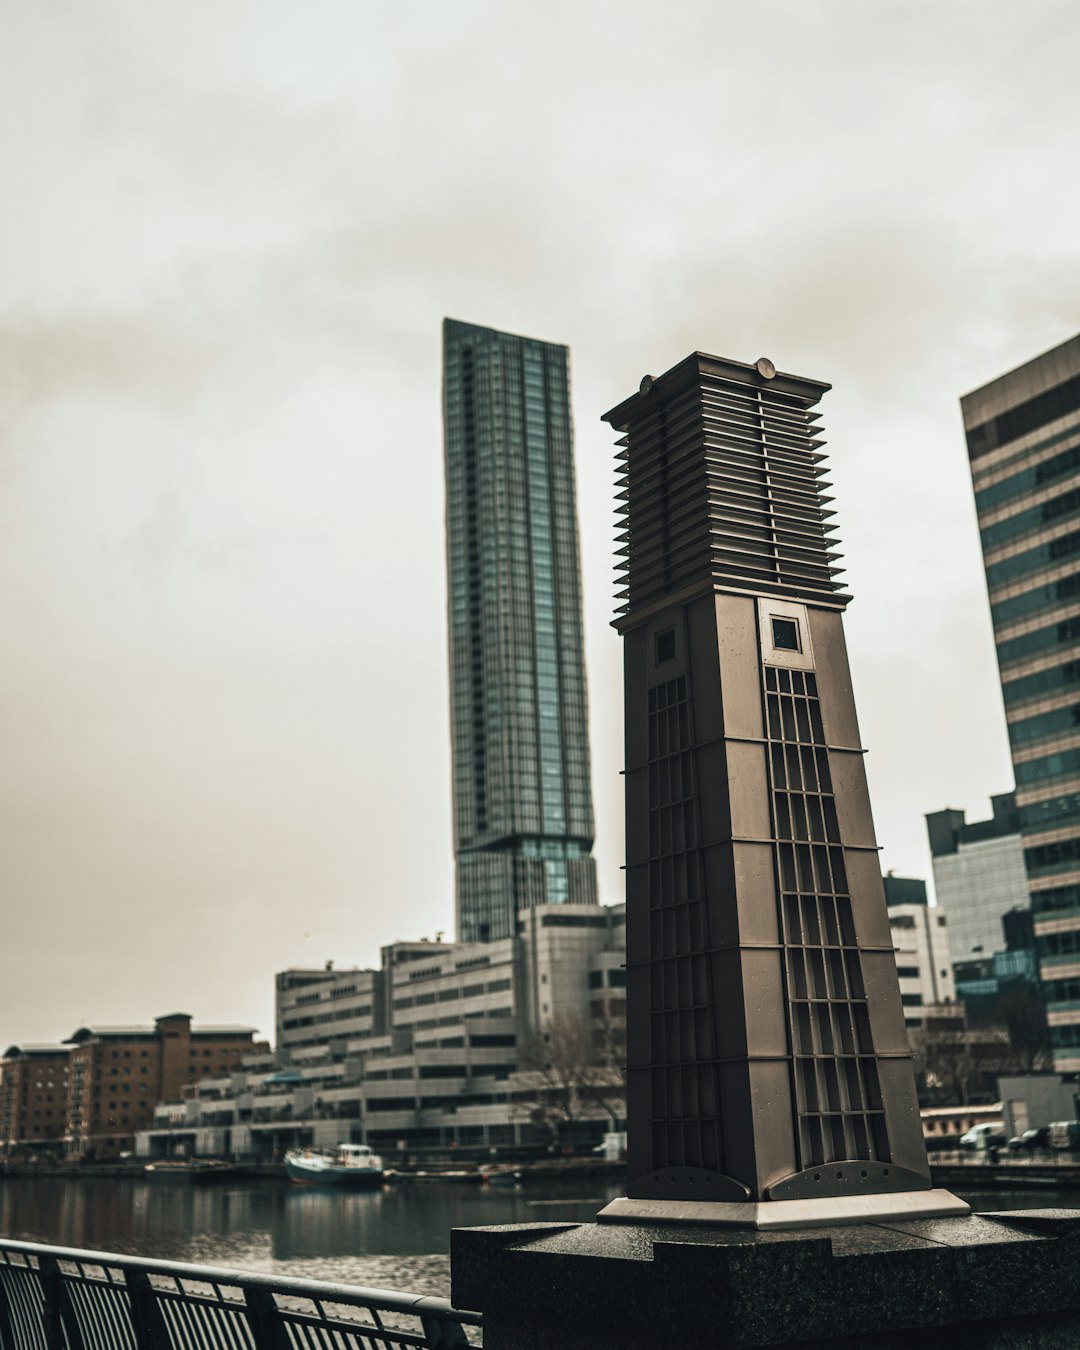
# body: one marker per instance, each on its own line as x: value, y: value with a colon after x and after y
x: 57, y: 1298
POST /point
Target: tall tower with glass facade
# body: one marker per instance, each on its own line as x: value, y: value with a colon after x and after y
x: 523, y: 815
x: 1023, y: 439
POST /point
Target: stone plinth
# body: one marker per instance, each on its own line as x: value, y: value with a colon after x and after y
x: 1001, y: 1281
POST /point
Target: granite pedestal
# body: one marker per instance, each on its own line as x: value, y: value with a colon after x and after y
x: 1001, y: 1281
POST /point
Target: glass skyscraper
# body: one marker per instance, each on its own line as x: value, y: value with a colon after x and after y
x: 523, y: 815
x: 1023, y: 437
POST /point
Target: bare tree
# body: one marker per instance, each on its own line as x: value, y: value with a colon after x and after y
x: 948, y: 1065
x: 1020, y: 1010
x: 569, y: 1073
x: 1003, y: 1034
x: 960, y: 1065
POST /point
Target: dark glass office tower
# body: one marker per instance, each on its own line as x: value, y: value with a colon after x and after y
x: 522, y: 800
x: 1023, y: 438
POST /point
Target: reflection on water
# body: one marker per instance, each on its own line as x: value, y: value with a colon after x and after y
x: 397, y: 1237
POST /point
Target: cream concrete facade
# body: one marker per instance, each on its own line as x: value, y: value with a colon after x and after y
x: 423, y: 1054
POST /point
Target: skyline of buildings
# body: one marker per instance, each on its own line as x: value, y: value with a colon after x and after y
x: 511, y: 521
x: 522, y: 791
x: 1023, y: 440
x: 431, y: 1051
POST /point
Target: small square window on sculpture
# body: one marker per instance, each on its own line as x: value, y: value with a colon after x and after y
x: 785, y: 635
x: 665, y: 646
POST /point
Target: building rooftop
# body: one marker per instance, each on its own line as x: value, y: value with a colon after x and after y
x: 142, y: 1032
x: 36, y: 1048
x: 949, y: 830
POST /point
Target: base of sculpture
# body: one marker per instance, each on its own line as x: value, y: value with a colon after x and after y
x: 1000, y: 1281
x: 770, y: 1215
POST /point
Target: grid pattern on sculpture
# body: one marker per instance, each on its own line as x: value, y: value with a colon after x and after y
x: 685, y: 1097
x: 837, y: 1094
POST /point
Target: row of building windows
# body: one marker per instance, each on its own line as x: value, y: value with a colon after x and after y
x: 1055, y: 899
x: 1045, y: 724
x: 1059, y: 944
x: 1025, y: 417
x: 319, y: 1019
x: 616, y: 978
x: 1034, y: 518
x: 1041, y: 683
x: 1034, y: 559
x: 1034, y: 476
x: 427, y: 1023
x: 446, y: 995
x: 1041, y: 640
x: 1062, y: 764
x: 1060, y: 856
x: 1045, y: 815
x: 1039, y: 598
x: 1061, y: 991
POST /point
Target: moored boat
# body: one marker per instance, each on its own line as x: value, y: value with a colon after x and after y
x: 191, y: 1170
x: 504, y: 1176
x: 347, y: 1165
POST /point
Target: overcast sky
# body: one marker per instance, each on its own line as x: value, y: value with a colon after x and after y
x: 228, y: 236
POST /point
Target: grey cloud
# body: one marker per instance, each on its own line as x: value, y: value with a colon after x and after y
x: 222, y: 685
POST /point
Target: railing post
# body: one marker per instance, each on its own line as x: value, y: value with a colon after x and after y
x: 7, y: 1333
x: 58, y: 1316
x: 147, y: 1322
x: 442, y: 1335
x: 267, y: 1329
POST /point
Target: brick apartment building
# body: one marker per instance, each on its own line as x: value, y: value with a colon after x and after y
x: 117, y: 1075
x: 33, y: 1098
x: 88, y: 1096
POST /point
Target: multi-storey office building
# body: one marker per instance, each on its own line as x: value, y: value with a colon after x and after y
x: 523, y: 813
x: 979, y: 875
x: 326, y: 1007
x: 437, y: 1065
x: 33, y: 1098
x: 1023, y: 438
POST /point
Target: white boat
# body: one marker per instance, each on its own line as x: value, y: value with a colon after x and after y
x: 347, y: 1165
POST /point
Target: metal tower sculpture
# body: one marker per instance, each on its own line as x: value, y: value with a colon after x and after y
x: 768, y: 1059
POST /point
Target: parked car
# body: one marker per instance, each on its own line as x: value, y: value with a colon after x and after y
x: 1030, y: 1140
x: 987, y: 1135
x: 1065, y: 1134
